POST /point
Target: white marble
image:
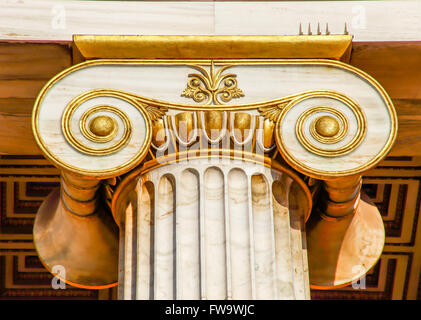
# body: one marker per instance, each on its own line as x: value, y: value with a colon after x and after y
x: 128, y: 253
x: 298, y: 244
x: 284, y: 269
x: 226, y: 233
x: 378, y: 131
x: 214, y: 231
x: 187, y: 236
x: 259, y: 82
x: 241, y: 274
x: 164, y: 241
x: 145, y: 225
x: 263, y: 238
x: 366, y: 20
x: 50, y: 121
x: 59, y: 20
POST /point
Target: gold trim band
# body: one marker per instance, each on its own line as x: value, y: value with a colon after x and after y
x: 213, y: 47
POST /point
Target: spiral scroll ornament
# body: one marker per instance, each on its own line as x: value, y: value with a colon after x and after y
x: 108, y: 131
x: 317, y: 126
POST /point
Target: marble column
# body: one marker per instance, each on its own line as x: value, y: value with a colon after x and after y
x: 214, y: 232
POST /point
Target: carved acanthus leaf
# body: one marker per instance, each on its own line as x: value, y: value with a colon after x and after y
x: 272, y: 112
x: 237, y: 93
x: 155, y: 112
x: 188, y: 92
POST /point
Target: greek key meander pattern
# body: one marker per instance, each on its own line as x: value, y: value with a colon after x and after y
x: 394, y: 186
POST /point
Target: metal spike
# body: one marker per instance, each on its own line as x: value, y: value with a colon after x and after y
x: 346, y: 29
x: 327, y: 29
x: 318, y: 28
x: 309, y: 29
x: 300, y: 32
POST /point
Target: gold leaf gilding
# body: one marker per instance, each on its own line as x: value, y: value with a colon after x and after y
x: 206, y: 87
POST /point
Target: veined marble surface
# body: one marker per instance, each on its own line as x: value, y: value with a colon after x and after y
x: 259, y: 82
x: 221, y: 230
x: 59, y: 20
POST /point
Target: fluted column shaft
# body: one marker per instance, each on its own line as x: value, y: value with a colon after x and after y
x: 201, y: 231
